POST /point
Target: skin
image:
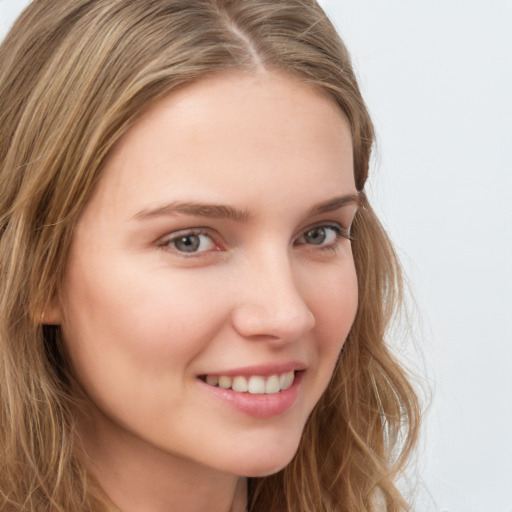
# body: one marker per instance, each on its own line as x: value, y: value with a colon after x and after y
x: 142, y: 320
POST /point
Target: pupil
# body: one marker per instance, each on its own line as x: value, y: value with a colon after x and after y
x: 189, y: 243
x: 316, y: 236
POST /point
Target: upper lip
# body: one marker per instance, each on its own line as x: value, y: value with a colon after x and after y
x: 263, y: 370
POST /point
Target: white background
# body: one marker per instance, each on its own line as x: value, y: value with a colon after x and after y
x: 437, y: 76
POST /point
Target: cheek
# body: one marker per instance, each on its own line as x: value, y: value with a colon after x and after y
x: 335, y: 308
x: 132, y: 339
x: 123, y: 318
x: 334, y: 305
x: 335, y: 311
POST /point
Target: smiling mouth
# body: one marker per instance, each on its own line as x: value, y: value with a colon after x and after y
x: 254, y: 384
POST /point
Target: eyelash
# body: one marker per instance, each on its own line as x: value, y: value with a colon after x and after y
x: 168, y: 241
x: 340, y: 233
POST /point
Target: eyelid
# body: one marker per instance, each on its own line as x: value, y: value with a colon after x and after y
x: 165, y: 241
x: 341, y: 233
x: 342, y: 230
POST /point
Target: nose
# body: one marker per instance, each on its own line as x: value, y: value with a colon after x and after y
x: 271, y: 302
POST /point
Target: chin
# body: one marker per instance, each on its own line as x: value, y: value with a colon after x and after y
x: 261, y: 472
x: 267, y: 462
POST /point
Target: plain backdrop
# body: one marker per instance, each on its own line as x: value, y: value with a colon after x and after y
x: 437, y: 76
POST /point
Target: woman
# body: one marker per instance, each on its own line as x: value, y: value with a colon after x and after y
x: 195, y: 289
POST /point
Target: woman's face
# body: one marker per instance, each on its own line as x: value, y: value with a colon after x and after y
x: 211, y: 284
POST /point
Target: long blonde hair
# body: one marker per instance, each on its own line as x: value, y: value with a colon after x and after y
x: 74, y: 75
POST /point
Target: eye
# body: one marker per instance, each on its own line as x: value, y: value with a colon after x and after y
x: 320, y: 235
x: 190, y: 242
x: 324, y: 236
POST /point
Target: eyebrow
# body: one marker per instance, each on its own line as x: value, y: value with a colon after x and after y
x: 221, y: 211
x: 335, y: 204
x: 212, y: 211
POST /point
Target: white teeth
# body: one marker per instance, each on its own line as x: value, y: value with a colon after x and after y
x: 286, y: 380
x: 224, y: 382
x: 240, y: 384
x: 272, y: 385
x: 212, y: 380
x: 256, y: 384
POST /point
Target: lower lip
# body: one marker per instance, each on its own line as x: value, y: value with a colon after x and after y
x: 259, y: 405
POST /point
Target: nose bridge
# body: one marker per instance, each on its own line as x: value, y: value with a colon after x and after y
x: 272, y: 301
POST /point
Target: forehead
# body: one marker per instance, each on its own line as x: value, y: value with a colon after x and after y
x: 227, y: 129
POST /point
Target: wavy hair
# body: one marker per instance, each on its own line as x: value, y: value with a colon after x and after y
x: 74, y: 76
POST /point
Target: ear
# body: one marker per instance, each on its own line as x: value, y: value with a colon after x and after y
x: 51, y: 314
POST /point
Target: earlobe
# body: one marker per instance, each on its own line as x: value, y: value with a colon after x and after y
x: 51, y: 314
